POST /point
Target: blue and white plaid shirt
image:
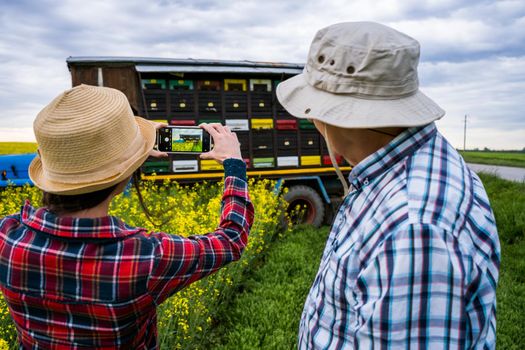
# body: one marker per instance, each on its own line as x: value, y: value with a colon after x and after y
x: 413, y: 256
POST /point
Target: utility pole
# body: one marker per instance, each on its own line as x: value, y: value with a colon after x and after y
x: 465, y: 134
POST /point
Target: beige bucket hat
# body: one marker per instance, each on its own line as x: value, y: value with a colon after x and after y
x: 88, y: 140
x: 360, y: 75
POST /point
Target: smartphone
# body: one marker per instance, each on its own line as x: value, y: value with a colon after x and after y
x: 183, y: 139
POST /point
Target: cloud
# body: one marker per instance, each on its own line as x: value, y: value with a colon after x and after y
x: 472, y: 51
x: 488, y: 89
x: 17, y: 134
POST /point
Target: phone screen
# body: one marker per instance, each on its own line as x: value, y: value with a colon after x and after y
x: 183, y: 140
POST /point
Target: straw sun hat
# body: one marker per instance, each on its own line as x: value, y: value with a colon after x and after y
x: 360, y: 75
x: 88, y: 140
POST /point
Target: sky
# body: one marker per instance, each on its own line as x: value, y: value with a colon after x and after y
x: 472, y: 52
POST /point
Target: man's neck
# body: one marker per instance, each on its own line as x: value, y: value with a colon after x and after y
x: 364, y: 142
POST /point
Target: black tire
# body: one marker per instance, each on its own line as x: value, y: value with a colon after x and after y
x: 309, y: 198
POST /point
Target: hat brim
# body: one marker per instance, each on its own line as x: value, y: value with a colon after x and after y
x: 302, y: 100
x: 36, y: 172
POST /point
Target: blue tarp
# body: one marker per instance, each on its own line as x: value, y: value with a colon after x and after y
x: 14, y: 169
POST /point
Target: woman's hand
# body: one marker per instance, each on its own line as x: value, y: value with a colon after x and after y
x: 226, y: 144
x: 155, y: 153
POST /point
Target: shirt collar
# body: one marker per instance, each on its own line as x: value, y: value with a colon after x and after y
x: 383, y: 159
x: 43, y: 220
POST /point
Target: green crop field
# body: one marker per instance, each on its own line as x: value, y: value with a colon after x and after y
x: 516, y: 159
x: 508, y: 202
x: 186, y: 146
x: 264, y: 309
x: 265, y: 312
x: 17, y: 147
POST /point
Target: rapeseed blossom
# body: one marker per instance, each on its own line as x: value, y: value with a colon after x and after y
x: 185, y: 318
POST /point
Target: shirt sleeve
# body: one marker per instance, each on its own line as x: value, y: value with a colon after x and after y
x: 421, y: 292
x: 180, y: 261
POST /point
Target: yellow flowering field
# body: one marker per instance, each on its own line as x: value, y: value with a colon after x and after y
x: 184, y: 318
x: 17, y: 148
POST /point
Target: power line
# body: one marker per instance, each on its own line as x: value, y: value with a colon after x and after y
x: 465, y: 134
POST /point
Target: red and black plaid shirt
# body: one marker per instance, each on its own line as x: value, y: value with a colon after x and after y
x: 95, y: 283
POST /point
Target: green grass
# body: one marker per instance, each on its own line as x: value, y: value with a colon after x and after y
x: 508, y: 202
x: 516, y: 159
x: 266, y: 310
x: 17, y: 147
x: 265, y: 313
x: 511, y: 298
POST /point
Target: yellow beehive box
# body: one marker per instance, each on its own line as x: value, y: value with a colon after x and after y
x: 262, y: 123
x: 210, y: 164
x: 311, y: 160
x: 234, y: 84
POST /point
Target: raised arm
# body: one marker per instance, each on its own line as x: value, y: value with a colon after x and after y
x: 180, y: 261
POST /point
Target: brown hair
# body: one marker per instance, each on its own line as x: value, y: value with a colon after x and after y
x: 60, y: 204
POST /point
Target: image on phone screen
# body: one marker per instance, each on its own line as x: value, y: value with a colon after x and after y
x: 186, y: 140
x: 183, y: 140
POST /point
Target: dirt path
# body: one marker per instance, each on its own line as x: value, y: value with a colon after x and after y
x: 504, y: 172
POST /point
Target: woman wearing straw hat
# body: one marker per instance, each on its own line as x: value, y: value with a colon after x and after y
x: 74, y: 276
x: 413, y: 256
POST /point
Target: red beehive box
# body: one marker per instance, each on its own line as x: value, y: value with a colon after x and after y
x: 186, y: 122
x: 327, y: 161
x: 287, y: 124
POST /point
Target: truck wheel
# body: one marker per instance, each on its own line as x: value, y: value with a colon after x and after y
x: 304, y: 205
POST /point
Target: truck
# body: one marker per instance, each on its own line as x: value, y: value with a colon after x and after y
x: 241, y: 95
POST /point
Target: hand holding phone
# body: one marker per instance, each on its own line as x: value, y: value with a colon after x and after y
x: 226, y: 144
x: 154, y: 152
x: 183, y: 140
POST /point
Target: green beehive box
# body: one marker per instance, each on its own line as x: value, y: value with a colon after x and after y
x: 150, y: 84
x: 264, y: 162
x: 209, y: 121
x: 306, y: 124
x: 158, y: 167
x: 181, y: 84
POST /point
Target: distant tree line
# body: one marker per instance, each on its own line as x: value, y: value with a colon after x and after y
x: 486, y: 149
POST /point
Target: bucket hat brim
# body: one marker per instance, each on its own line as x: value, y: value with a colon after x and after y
x: 303, y: 101
x: 37, y: 173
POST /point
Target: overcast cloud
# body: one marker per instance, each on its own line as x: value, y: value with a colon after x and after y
x: 472, y: 61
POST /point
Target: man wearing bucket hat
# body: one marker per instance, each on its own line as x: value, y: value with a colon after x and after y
x: 74, y: 277
x: 413, y: 256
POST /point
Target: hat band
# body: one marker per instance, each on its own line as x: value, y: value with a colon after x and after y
x: 389, y: 90
x: 116, y: 165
